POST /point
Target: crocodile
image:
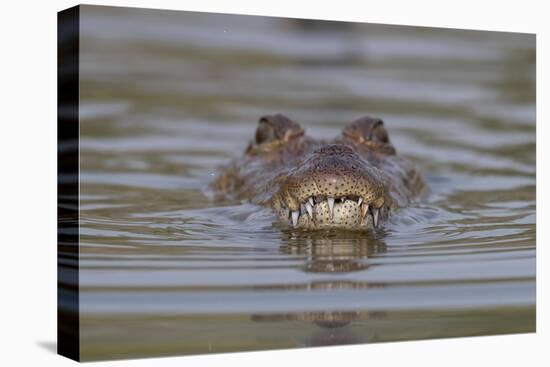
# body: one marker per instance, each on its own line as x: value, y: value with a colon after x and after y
x: 354, y: 181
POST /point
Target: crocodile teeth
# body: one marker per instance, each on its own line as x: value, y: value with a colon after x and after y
x: 375, y: 216
x: 286, y: 212
x: 295, y: 216
x: 311, y: 202
x: 330, y: 206
x: 364, y: 210
x: 343, y: 198
x: 359, y: 201
x: 309, y: 209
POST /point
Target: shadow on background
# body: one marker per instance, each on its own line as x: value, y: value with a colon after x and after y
x: 50, y: 346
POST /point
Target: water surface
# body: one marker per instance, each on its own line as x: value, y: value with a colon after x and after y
x: 167, y: 97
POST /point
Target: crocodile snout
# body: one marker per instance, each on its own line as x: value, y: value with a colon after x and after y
x: 332, y: 187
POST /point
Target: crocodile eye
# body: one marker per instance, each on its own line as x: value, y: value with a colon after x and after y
x: 380, y: 134
x: 276, y: 127
x: 370, y: 131
x: 273, y: 132
x: 264, y: 133
x: 367, y: 129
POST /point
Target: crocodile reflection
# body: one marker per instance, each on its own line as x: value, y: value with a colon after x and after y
x: 332, y: 252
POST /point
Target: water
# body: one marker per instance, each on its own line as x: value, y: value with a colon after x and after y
x: 167, y: 97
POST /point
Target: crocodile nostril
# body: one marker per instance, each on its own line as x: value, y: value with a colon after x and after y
x: 334, y: 149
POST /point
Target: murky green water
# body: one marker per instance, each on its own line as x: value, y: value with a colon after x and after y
x: 166, y: 97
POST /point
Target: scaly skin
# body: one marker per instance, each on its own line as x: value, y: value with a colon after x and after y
x: 352, y: 181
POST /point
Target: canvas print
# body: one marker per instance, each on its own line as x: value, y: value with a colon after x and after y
x: 236, y: 183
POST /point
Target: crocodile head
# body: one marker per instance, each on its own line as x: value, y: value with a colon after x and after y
x: 352, y: 181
